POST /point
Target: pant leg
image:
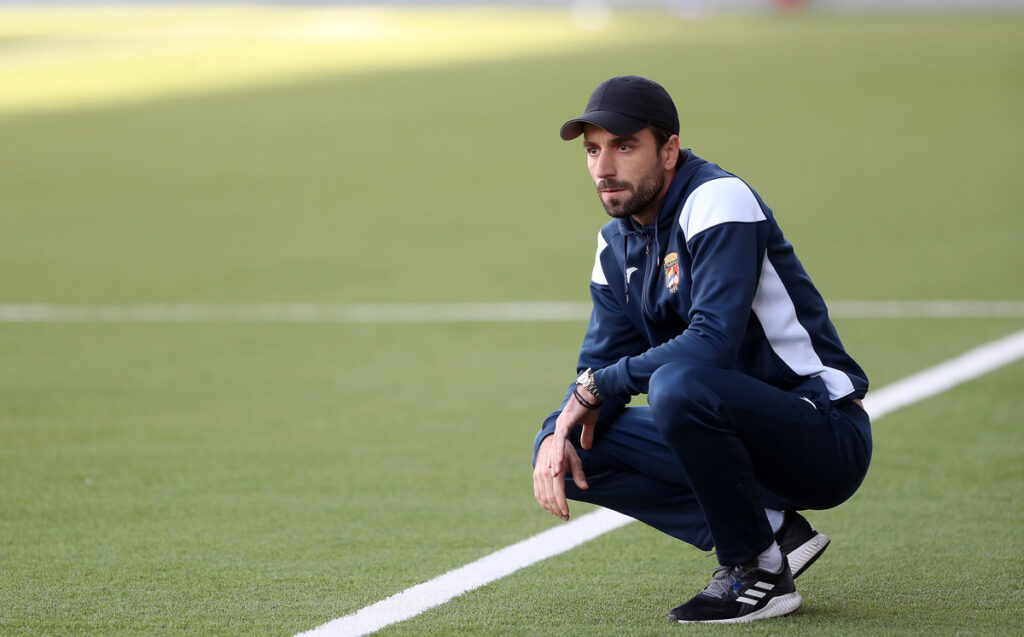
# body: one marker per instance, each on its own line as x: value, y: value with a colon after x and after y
x: 631, y: 470
x: 745, y: 445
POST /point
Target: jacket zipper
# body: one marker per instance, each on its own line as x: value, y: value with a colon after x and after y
x: 652, y: 265
x: 625, y: 263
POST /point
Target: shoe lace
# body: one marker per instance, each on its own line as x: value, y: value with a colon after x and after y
x: 721, y: 582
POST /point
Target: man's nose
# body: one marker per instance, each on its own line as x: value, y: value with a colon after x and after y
x: 605, y: 166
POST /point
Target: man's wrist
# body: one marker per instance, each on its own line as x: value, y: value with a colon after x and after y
x: 586, y: 381
x: 586, y: 403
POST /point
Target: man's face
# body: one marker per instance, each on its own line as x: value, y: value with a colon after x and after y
x: 627, y: 171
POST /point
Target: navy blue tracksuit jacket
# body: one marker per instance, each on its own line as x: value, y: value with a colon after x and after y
x: 712, y: 281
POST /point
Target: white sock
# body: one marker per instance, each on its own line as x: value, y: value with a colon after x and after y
x: 771, y: 559
x: 775, y: 519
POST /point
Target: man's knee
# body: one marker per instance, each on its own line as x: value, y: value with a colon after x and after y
x: 679, y: 389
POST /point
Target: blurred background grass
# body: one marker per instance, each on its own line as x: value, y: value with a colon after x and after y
x: 267, y: 478
x: 896, y: 135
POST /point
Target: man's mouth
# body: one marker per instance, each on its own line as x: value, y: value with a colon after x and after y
x: 612, y: 188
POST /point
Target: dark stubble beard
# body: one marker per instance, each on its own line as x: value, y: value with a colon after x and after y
x: 642, y: 200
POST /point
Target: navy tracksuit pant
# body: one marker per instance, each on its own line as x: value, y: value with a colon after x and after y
x: 716, y: 447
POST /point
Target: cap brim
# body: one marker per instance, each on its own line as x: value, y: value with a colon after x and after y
x: 614, y: 123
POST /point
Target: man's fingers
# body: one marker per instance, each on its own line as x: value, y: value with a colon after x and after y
x: 555, y: 457
x: 548, y: 498
x: 587, y: 436
x: 539, y: 492
x: 576, y: 466
x: 557, y: 453
x: 543, y: 489
x: 561, y: 507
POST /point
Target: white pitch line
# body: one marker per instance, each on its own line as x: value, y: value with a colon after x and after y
x: 935, y: 380
x: 422, y: 597
x: 926, y: 309
x: 297, y: 313
x: 522, y: 311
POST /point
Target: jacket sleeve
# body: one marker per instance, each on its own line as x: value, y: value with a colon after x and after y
x: 726, y: 260
x: 610, y: 336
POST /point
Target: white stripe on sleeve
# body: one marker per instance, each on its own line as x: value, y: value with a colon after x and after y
x: 597, y: 276
x: 719, y: 201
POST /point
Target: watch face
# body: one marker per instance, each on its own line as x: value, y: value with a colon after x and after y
x: 586, y: 379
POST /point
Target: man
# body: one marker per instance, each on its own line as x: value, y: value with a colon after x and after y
x: 700, y: 303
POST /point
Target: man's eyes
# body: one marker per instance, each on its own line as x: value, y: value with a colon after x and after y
x: 593, y: 150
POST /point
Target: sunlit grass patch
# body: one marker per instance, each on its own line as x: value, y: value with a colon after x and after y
x: 61, y: 57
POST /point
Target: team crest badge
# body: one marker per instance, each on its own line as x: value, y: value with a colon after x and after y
x: 672, y: 271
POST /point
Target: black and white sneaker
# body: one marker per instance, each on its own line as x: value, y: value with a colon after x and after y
x: 741, y: 593
x: 799, y: 542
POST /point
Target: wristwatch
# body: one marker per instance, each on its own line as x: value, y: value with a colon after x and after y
x: 586, y: 381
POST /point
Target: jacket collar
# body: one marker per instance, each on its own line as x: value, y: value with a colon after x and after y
x: 668, y: 209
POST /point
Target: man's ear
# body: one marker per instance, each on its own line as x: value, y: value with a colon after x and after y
x: 670, y: 152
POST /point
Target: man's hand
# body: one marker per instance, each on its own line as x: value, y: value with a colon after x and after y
x: 556, y: 455
x: 549, y: 488
x: 573, y: 414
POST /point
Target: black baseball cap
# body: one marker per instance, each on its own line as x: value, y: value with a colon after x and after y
x: 625, y: 104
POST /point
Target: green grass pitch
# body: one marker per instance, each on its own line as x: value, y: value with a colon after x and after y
x: 266, y: 478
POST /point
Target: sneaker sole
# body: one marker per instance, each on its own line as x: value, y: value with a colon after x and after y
x: 804, y: 555
x: 776, y: 607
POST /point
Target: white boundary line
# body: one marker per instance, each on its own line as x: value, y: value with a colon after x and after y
x: 422, y: 597
x: 935, y: 380
x: 524, y: 311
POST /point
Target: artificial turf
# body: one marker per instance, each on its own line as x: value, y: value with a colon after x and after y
x: 235, y: 479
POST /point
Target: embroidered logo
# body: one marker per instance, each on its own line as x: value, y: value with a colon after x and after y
x: 672, y: 271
